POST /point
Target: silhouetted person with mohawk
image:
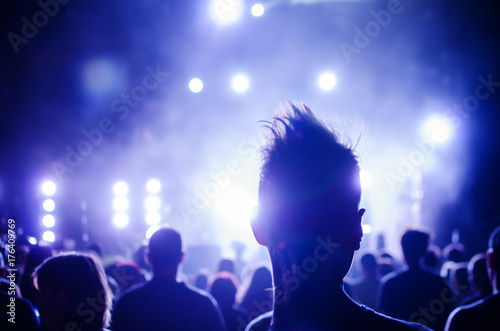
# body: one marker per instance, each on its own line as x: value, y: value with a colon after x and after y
x: 309, y: 220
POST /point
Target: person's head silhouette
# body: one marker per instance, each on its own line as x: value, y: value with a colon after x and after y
x: 73, y: 292
x: 309, y: 217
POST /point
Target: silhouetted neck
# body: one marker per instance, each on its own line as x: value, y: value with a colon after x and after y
x: 165, y: 274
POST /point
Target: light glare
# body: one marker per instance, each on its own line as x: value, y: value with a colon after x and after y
x: 120, y: 204
x: 153, y: 186
x: 49, y: 205
x: 48, y: 221
x: 49, y: 236
x: 367, y: 228
x: 120, y: 220
x: 327, y: 81
x: 226, y: 11
x: 195, y: 85
x: 257, y: 10
x: 120, y: 188
x: 240, y: 83
x: 49, y: 188
x: 152, y: 203
x: 365, y: 179
x: 153, y: 218
x: 438, y: 130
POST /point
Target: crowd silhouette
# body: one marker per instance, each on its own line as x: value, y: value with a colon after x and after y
x: 309, y: 220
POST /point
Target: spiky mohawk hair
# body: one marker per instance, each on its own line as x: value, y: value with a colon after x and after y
x: 307, y: 174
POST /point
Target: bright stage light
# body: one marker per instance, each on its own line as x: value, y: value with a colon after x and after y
x: 236, y: 207
x: 367, y: 228
x: 153, y: 218
x: 226, y: 11
x: 327, y: 81
x: 120, y: 204
x: 195, y: 85
x: 120, y: 188
x: 49, y: 188
x: 257, y: 10
x: 32, y: 240
x: 240, y: 83
x: 49, y: 236
x: 438, y: 130
x: 48, y: 221
x: 49, y: 205
x: 121, y: 220
x: 153, y: 186
x: 152, y: 203
x: 365, y: 178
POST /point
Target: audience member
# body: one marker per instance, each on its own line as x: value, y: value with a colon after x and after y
x: 478, y: 278
x: 223, y: 288
x: 163, y: 303
x: 364, y: 290
x: 73, y: 293
x: 310, y: 222
x: 255, y: 296
x: 482, y: 314
x: 459, y: 281
x: 411, y: 293
x: 35, y: 257
x: 432, y: 258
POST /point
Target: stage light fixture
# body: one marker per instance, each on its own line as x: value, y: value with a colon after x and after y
x: 257, y: 10
x: 49, y: 221
x: 120, y: 188
x: 121, y: 204
x: 121, y: 220
x: 49, y: 205
x: 195, y: 85
x: 49, y: 188
x: 49, y: 236
x: 327, y: 81
x: 152, y: 203
x: 153, y: 186
x: 438, y: 130
x: 367, y: 228
x: 240, y: 83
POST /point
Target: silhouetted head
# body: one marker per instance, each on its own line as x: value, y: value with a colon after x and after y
x: 73, y: 292
x: 414, y: 244
x: 309, y: 189
x: 165, y: 248
x: 478, y: 274
x: 226, y: 265
x: 223, y: 288
x: 455, y: 252
x: 368, y: 262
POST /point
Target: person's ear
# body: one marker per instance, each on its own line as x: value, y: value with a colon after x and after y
x: 257, y: 232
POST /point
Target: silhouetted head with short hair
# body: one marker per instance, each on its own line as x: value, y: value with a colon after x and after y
x: 414, y: 244
x: 165, y: 248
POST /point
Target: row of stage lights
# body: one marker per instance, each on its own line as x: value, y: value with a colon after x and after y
x: 240, y: 83
x: 48, y: 206
x: 152, y: 204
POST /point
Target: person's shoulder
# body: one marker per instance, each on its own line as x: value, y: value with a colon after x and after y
x: 260, y: 323
x: 377, y: 321
x: 133, y: 292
